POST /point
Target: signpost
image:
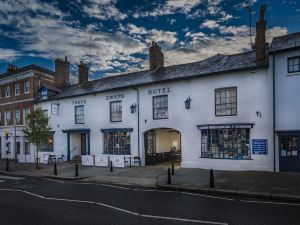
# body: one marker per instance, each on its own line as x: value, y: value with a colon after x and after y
x: 260, y: 146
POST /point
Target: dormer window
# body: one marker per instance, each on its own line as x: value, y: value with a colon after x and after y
x: 294, y: 64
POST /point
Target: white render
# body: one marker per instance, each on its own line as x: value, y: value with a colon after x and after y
x: 254, y: 94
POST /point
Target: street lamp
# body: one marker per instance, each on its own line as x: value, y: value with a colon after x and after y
x: 249, y: 9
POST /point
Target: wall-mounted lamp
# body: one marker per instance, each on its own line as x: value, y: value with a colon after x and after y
x: 187, y: 103
x: 133, y: 108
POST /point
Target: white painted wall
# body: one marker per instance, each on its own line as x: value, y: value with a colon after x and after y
x: 254, y: 93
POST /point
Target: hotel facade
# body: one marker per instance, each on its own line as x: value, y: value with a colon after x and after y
x: 228, y: 112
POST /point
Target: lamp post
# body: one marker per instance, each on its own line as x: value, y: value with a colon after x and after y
x: 15, y: 123
x: 249, y: 9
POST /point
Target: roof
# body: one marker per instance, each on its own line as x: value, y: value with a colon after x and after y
x: 218, y: 64
x: 286, y: 42
x: 27, y: 68
x: 50, y: 87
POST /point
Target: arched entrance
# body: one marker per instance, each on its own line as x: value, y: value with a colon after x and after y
x: 162, y: 145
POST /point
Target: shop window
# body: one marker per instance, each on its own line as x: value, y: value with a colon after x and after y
x: 79, y: 114
x: 116, y: 143
x: 47, y: 146
x: 289, y: 147
x: 226, y: 102
x: 116, y: 111
x: 294, y: 64
x: 160, y: 107
x: 225, y: 143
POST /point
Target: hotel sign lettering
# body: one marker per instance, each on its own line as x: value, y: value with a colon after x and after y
x: 115, y: 97
x: 159, y: 91
x: 79, y: 102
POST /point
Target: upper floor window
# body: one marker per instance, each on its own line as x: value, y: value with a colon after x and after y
x: 26, y: 112
x: 7, y: 118
x: 17, y: 89
x: 116, y: 111
x: 294, y: 64
x: 226, y: 102
x: 7, y: 91
x: 18, y: 116
x: 26, y: 86
x: 160, y: 107
x: 79, y: 114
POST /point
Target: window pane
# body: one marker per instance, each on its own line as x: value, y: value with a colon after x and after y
x: 79, y: 114
x: 117, y: 143
x: 116, y: 111
x: 226, y: 102
x: 160, y: 107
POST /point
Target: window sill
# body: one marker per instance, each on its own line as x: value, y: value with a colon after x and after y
x: 293, y: 74
x: 225, y: 158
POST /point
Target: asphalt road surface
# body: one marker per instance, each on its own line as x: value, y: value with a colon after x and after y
x: 35, y: 201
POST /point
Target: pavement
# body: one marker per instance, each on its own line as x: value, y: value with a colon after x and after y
x: 36, y: 200
x: 280, y: 186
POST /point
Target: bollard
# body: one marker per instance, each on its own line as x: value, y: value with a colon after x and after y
x: 55, y: 169
x: 169, y: 176
x: 111, y: 167
x: 173, y: 172
x: 130, y: 162
x: 211, y: 179
x: 7, y: 165
x: 76, y: 170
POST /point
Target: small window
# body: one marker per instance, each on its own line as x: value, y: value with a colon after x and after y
x: 7, y: 91
x: 160, y: 107
x: 7, y: 118
x: 79, y: 114
x: 26, y: 86
x: 47, y: 146
x: 294, y: 64
x: 26, y: 111
x: 226, y: 102
x: 18, y: 117
x: 17, y: 89
x: 116, y: 111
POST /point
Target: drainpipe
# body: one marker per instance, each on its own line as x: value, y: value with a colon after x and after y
x: 274, y: 114
x: 138, y: 112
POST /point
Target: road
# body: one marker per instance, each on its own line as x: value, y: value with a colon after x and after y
x: 37, y: 201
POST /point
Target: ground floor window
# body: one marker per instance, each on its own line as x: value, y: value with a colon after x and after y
x: 47, y: 146
x: 225, y: 143
x: 117, y: 143
x: 289, y: 146
x: 27, y: 148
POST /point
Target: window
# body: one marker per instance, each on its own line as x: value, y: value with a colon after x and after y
x: 26, y: 112
x: 7, y: 91
x: 225, y: 102
x: 289, y: 147
x: 160, y: 107
x: 18, y: 116
x: 0, y: 123
x: 17, y: 89
x: 79, y: 114
x: 117, y: 143
x: 225, y: 143
x: 116, y: 111
x: 7, y: 118
x: 0, y: 91
x: 294, y: 64
x: 26, y: 86
x: 47, y: 146
x: 27, y: 148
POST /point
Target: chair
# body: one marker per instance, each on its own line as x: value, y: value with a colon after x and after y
x: 127, y: 161
x: 137, y: 159
x: 61, y: 158
x: 52, y: 159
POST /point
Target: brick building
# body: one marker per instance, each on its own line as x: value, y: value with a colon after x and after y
x: 19, y: 87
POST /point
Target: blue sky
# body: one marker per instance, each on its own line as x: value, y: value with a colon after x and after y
x: 113, y: 36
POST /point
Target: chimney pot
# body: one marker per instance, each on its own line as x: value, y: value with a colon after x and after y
x: 62, y: 72
x: 83, y: 72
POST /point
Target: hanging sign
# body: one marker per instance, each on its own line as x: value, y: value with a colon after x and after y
x: 260, y: 146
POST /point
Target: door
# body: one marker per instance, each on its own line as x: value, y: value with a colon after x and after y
x: 289, y: 152
x: 150, y: 147
x: 83, y: 143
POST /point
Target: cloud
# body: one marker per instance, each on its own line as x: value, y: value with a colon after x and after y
x: 211, y: 24
x: 103, y: 10
x: 8, y: 54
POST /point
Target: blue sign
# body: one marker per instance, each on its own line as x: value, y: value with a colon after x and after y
x: 260, y: 146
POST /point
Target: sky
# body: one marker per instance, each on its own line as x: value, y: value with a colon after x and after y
x: 113, y: 36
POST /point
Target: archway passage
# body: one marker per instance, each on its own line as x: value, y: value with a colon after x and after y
x: 162, y: 145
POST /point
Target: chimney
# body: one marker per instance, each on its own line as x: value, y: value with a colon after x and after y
x: 62, y: 72
x: 156, y: 57
x: 260, y: 40
x: 83, y: 71
x: 11, y: 68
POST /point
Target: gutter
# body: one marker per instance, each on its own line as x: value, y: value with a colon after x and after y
x: 138, y: 112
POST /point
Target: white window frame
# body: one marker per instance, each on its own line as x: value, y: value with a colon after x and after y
x: 7, y: 91
x: 19, y: 90
x: 26, y: 87
x: 7, y: 118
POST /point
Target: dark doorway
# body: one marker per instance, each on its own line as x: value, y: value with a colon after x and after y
x: 289, y: 152
x: 83, y: 143
x: 162, y: 145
